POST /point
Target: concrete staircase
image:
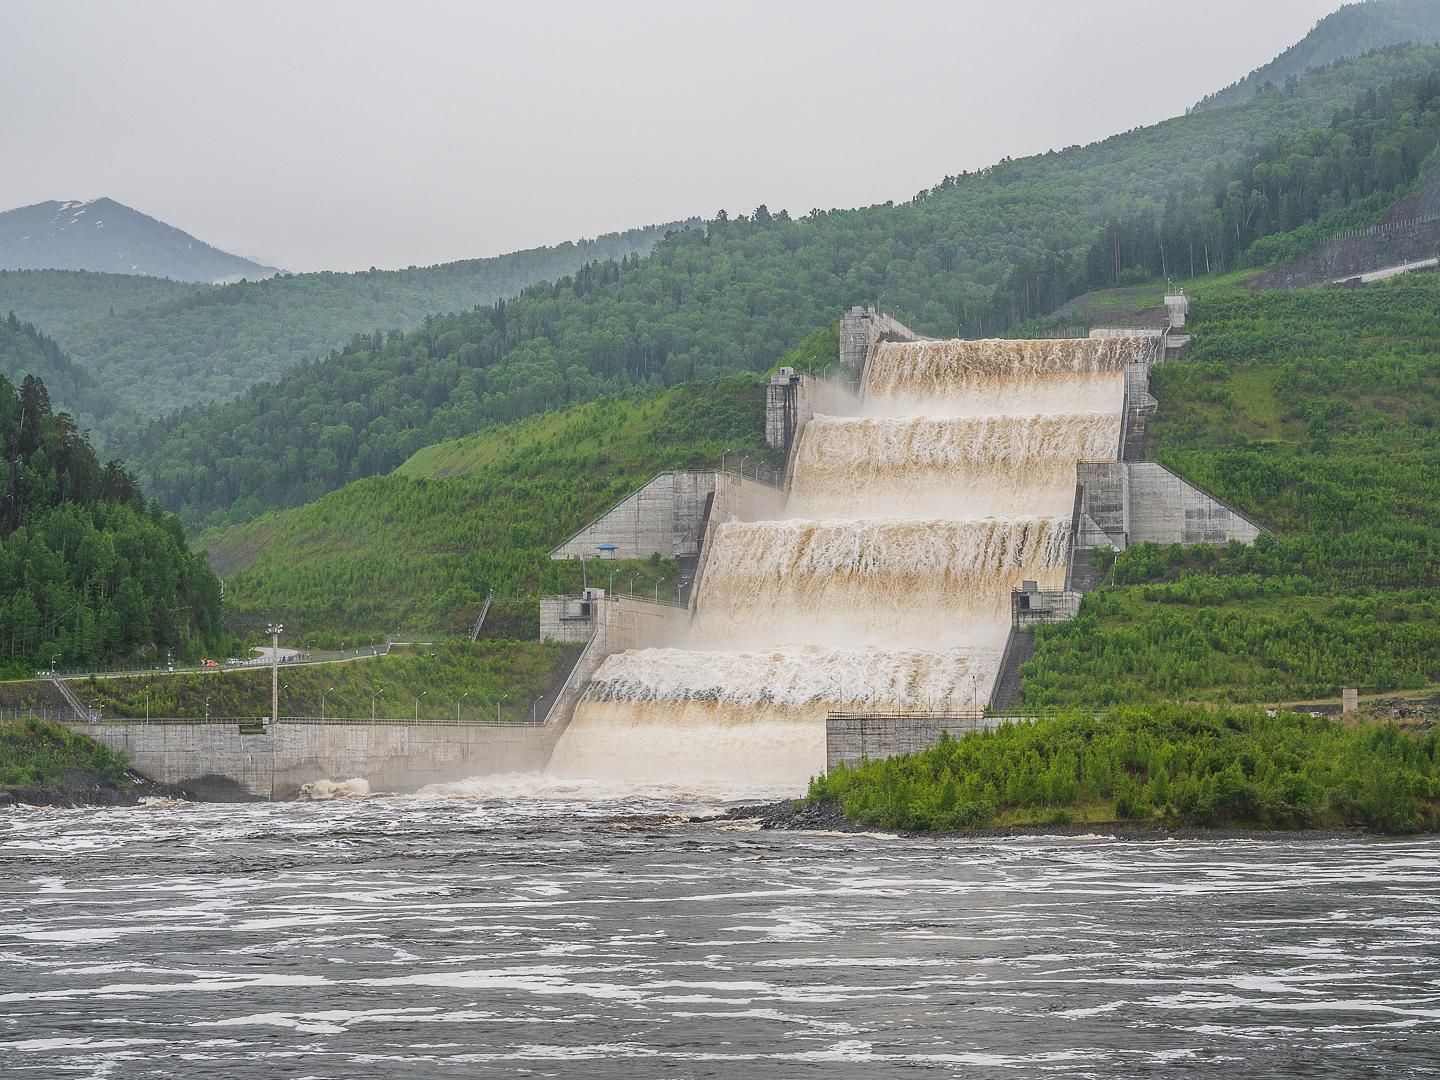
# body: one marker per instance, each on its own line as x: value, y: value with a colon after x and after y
x: 1019, y: 649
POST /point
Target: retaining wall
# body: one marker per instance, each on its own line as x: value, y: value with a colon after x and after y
x: 851, y: 740
x: 215, y: 760
x: 661, y: 517
x: 1124, y: 503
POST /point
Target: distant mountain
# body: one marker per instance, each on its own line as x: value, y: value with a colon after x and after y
x: 1352, y: 31
x: 108, y: 236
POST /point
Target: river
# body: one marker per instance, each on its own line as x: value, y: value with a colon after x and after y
x: 408, y: 937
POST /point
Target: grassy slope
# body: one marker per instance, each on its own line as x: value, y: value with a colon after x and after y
x: 509, y: 675
x: 1318, y: 413
x: 420, y: 548
x: 43, y: 756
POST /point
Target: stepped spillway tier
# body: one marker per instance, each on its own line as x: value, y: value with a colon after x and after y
x: 749, y: 718
x: 1001, y: 376
x: 938, y: 466
x: 864, y: 676
x: 885, y: 582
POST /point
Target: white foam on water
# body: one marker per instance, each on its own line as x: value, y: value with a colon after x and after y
x: 321, y: 790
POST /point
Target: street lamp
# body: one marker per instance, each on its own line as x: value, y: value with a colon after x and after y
x: 275, y: 630
x: 461, y: 698
x: 417, y: 703
x: 52, y: 663
x: 322, y: 701
x: 207, y: 708
x: 372, y: 701
x: 535, y: 709
x: 497, y: 707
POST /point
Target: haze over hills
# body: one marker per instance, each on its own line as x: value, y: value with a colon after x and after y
x: 108, y: 236
x: 157, y: 345
x: 709, y: 303
x: 1351, y: 31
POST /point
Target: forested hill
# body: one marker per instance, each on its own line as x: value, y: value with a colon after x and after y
x: 1351, y: 31
x: 706, y: 303
x: 105, y: 235
x: 25, y: 350
x: 1376, y: 158
x: 155, y: 346
x: 88, y: 572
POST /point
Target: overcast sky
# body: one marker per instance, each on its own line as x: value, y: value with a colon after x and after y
x: 344, y: 134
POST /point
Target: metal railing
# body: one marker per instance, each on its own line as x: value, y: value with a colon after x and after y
x: 301, y: 656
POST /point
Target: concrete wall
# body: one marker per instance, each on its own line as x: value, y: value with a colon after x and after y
x: 662, y: 517
x: 792, y: 401
x: 1142, y: 501
x: 860, y: 329
x: 737, y: 498
x: 1166, y: 509
x: 566, y: 618
x: 215, y: 760
x: 852, y: 740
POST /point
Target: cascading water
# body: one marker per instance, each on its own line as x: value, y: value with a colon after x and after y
x: 887, y: 585
x: 934, y: 466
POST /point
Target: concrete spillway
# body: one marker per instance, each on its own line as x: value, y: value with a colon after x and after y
x: 887, y: 583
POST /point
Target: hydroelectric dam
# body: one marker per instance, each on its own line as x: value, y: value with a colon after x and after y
x: 939, y: 499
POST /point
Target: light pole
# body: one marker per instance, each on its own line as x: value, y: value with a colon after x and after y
x: 633, y: 578
x: 322, y: 701
x: 275, y: 630
x: 497, y: 707
x: 417, y: 703
x: 535, y: 709
x: 610, y: 585
x: 52, y: 664
x: 461, y: 698
x: 207, y: 708
x: 372, y: 701
x: 147, y: 706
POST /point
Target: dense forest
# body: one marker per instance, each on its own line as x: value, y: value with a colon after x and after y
x: 1316, y: 412
x: 1269, y: 207
x: 154, y: 345
x: 728, y: 298
x: 1170, y: 764
x: 88, y: 572
x: 1352, y: 30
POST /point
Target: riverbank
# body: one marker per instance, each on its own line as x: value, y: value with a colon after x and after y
x: 44, y: 764
x: 1145, y: 768
x: 827, y: 815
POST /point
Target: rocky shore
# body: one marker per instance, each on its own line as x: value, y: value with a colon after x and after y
x: 81, y: 789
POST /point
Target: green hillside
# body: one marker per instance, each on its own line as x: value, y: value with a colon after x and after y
x: 421, y: 548
x: 1353, y: 30
x: 729, y: 298
x: 154, y: 346
x: 1317, y: 412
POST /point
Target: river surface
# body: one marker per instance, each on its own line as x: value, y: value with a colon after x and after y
x: 474, y: 937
